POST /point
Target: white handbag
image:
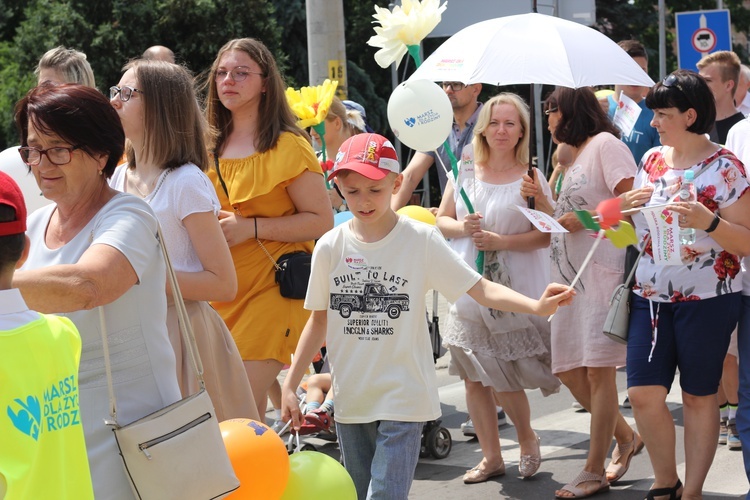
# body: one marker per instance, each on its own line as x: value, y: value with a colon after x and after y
x: 176, y: 452
x: 618, y: 316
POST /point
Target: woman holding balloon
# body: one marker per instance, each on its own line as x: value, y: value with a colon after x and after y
x: 495, y: 350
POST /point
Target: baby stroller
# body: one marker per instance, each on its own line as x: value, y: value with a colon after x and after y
x: 436, y: 439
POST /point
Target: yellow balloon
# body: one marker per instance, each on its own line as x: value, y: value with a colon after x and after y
x: 417, y: 213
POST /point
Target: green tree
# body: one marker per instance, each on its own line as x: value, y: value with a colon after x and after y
x: 111, y: 32
x: 638, y: 19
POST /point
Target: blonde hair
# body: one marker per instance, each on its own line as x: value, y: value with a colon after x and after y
x: 70, y: 63
x: 482, y: 148
x: 174, y: 126
x: 729, y: 64
x: 351, y: 119
x: 274, y: 114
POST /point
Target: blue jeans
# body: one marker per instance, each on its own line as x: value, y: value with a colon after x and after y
x: 381, y: 457
x: 743, y: 412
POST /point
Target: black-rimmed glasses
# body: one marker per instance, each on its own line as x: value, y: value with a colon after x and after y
x: 454, y: 86
x: 125, y: 92
x: 237, y: 74
x: 58, y: 155
x: 550, y: 110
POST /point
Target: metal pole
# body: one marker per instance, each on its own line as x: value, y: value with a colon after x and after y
x: 662, y: 42
x: 326, y: 43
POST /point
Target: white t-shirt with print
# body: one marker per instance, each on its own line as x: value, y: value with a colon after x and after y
x: 377, y: 339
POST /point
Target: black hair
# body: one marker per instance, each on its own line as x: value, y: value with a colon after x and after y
x: 684, y: 89
x: 11, y: 246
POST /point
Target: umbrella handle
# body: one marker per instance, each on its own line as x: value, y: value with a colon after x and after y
x: 530, y: 200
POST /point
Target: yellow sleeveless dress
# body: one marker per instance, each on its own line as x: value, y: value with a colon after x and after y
x: 264, y: 324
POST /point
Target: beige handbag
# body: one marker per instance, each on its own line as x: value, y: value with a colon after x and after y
x: 618, y: 316
x: 178, y: 451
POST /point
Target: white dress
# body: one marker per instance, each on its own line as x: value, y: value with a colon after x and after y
x: 143, y: 364
x: 507, y: 351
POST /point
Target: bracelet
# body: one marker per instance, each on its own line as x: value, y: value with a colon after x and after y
x: 255, y: 222
x: 714, y: 223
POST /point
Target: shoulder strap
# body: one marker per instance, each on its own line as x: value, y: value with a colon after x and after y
x: 218, y: 173
x: 182, y: 320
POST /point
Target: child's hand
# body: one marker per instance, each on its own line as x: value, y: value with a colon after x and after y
x: 555, y: 295
x: 290, y: 408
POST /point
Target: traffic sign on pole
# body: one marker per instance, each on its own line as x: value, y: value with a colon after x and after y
x: 700, y: 33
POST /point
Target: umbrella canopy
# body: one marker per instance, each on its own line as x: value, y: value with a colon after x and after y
x: 531, y: 48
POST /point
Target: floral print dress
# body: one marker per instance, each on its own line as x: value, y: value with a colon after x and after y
x: 708, y: 270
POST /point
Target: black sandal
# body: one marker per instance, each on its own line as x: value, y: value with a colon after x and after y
x: 660, y: 492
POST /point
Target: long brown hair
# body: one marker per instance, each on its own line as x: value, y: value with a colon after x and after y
x: 274, y: 114
x: 174, y: 126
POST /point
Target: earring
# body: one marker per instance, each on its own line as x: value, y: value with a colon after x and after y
x: 101, y: 172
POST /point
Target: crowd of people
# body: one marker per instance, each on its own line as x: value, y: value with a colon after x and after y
x: 235, y: 185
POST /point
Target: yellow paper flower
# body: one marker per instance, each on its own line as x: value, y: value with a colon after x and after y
x: 311, y: 104
x: 408, y: 24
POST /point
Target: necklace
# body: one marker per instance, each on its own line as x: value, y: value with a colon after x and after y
x: 135, y: 185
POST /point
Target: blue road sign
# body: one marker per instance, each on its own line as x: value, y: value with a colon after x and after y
x: 700, y: 33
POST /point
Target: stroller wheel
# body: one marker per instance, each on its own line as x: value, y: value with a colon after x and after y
x: 308, y: 447
x: 439, y: 442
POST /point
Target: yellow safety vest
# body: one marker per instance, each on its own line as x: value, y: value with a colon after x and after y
x: 42, y: 449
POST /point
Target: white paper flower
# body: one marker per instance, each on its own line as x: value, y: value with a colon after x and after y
x: 408, y: 24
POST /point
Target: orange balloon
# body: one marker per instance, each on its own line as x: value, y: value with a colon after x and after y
x: 259, y: 458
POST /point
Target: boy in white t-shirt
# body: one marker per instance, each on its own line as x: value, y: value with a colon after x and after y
x: 367, y: 293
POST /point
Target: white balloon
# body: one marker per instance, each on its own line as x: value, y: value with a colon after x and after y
x: 420, y: 114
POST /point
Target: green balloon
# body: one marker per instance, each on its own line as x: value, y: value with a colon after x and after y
x: 310, y: 470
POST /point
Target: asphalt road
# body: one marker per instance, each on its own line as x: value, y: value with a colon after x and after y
x: 564, y: 445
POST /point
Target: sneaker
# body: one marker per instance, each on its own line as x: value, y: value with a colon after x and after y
x: 318, y: 419
x: 467, y: 428
x: 578, y: 407
x: 501, y: 420
x: 280, y: 427
x: 626, y: 403
x: 723, y: 431
x: 733, y: 439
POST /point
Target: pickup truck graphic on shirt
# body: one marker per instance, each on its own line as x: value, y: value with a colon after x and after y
x: 374, y: 298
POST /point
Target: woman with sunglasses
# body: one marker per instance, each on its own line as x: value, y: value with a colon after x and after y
x: 682, y: 316
x: 93, y: 248
x: 273, y: 202
x: 166, y: 154
x: 601, y: 167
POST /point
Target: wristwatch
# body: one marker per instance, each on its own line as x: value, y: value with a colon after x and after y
x: 714, y: 223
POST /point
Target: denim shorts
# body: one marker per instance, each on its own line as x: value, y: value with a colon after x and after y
x: 691, y: 336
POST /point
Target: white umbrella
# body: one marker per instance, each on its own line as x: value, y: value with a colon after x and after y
x: 531, y: 48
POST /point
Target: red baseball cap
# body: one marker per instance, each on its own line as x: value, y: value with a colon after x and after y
x: 10, y: 194
x: 371, y: 155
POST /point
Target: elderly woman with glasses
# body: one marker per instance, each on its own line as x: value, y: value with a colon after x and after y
x: 89, y: 250
x: 273, y: 202
x: 682, y: 315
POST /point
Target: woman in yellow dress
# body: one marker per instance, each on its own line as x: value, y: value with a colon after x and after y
x: 272, y: 197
